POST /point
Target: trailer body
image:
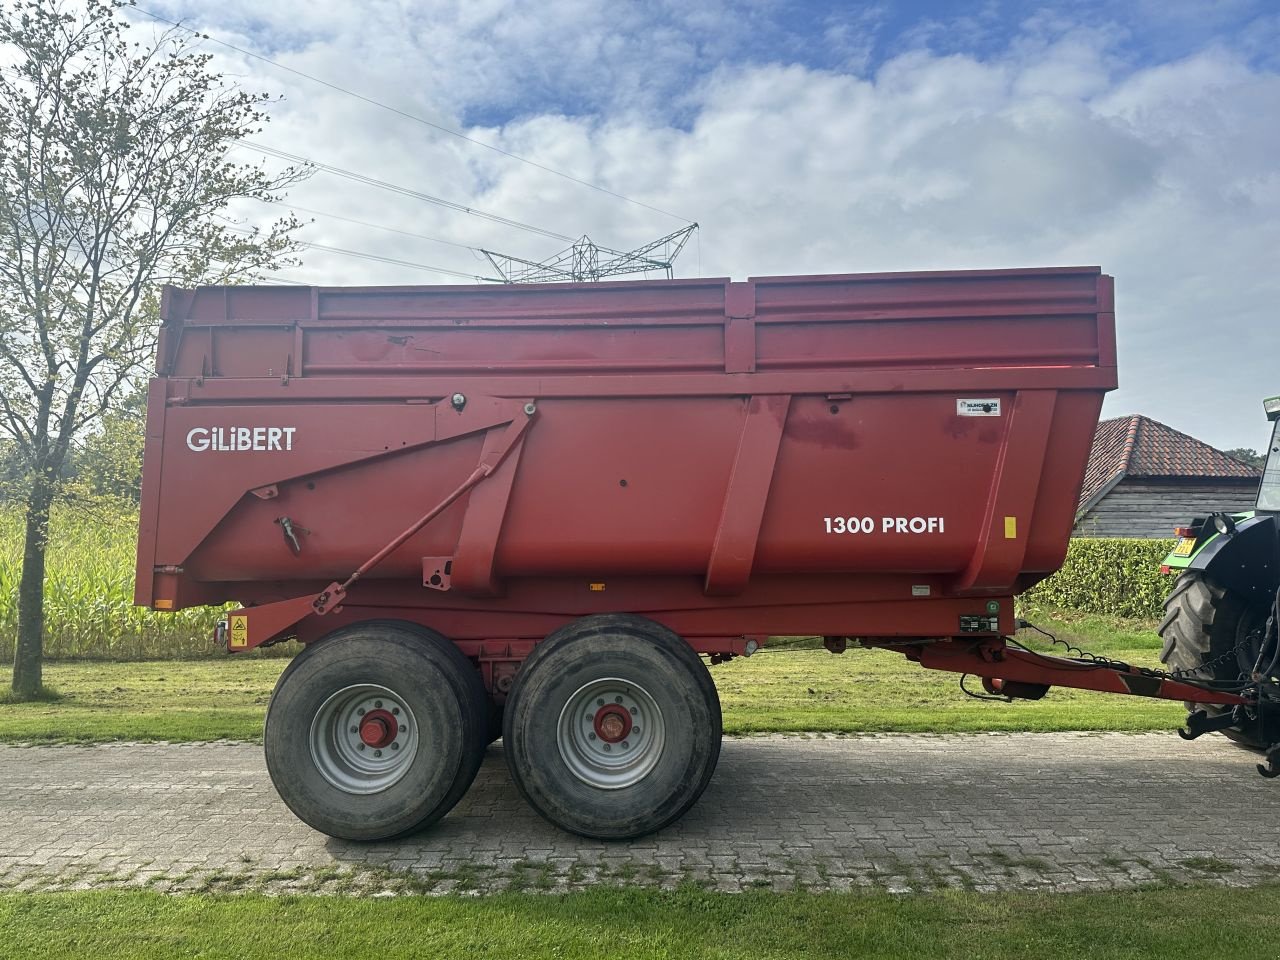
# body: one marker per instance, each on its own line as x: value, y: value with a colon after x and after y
x: 873, y: 455
x: 544, y: 502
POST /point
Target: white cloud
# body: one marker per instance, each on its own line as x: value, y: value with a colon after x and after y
x: 1054, y: 151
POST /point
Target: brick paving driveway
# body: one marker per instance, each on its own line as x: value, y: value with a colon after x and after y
x: 989, y: 812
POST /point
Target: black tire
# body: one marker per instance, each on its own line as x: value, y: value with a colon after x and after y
x: 438, y: 687
x: 671, y: 688
x: 1206, y: 632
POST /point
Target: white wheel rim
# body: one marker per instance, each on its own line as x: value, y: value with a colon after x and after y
x: 611, y: 733
x: 343, y: 753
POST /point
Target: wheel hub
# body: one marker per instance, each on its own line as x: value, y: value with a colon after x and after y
x: 364, y: 738
x: 611, y: 733
x: 378, y: 728
x: 612, y: 723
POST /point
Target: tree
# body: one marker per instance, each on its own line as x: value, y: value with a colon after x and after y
x: 1248, y: 456
x: 115, y: 177
x: 106, y: 465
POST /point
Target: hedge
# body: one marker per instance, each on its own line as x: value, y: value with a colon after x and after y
x: 1119, y: 578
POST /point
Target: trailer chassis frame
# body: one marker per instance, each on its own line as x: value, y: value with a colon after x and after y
x: 1026, y: 674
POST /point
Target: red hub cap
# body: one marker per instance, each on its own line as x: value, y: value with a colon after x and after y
x: 612, y: 723
x: 378, y: 728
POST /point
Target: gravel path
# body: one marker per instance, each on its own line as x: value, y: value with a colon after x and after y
x: 902, y: 812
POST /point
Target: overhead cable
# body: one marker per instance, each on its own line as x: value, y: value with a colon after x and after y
x: 364, y: 255
x: 405, y: 191
x: 414, y: 117
x: 373, y: 226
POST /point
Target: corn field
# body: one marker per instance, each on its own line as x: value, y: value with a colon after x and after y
x: 88, y: 592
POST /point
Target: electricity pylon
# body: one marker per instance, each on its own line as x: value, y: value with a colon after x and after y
x: 587, y: 260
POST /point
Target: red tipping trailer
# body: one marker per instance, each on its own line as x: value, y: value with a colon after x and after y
x: 553, y: 498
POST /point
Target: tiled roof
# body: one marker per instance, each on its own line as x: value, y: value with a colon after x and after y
x: 1137, y: 446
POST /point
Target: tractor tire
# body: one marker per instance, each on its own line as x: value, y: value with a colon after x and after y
x: 1204, y: 632
x: 376, y: 731
x: 612, y: 729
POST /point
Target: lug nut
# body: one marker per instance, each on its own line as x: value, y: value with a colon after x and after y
x: 634, y: 711
x: 377, y: 753
x: 636, y: 731
x: 626, y: 745
x: 403, y: 728
x: 607, y: 748
x: 395, y: 711
x: 360, y: 746
x: 360, y: 711
x: 600, y: 703
x: 378, y: 704
x: 395, y: 746
x: 355, y: 729
x: 591, y: 736
x: 617, y: 699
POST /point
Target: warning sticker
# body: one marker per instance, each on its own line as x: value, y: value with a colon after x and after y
x: 239, y: 632
x: 989, y: 407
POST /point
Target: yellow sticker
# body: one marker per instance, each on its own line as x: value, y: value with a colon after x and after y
x: 239, y: 632
x: 1186, y: 546
x: 596, y: 587
x: 1011, y: 528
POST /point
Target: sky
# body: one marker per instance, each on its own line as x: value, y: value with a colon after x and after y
x: 808, y: 138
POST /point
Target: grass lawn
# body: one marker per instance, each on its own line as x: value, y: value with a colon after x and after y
x: 790, y: 688
x: 1214, y: 922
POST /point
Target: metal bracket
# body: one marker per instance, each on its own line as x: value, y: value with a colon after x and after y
x: 1199, y: 723
x: 437, y: 572
x: 1271, y: 769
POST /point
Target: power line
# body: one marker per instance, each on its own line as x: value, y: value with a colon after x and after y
x: 414, y: 117
x: 392, y: 260
x: 362, y: 255
x: 394, y: 188
x: 366, y: 223
x: 404, y: 191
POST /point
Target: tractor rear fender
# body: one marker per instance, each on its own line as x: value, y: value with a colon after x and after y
x: 1243, y: 561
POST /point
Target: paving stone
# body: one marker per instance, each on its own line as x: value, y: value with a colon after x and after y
x: 908, y: 812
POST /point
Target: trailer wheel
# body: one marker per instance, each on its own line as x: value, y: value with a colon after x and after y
x: 376, y: 730
x: 1210, y: 633
x: 612, y: 729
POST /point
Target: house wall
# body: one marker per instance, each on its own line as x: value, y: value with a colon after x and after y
x: 1152, y: 507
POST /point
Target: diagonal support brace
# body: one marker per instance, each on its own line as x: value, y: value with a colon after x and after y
x: 331, y: 597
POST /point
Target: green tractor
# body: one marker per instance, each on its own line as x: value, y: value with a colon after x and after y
x: 1220, y: 620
